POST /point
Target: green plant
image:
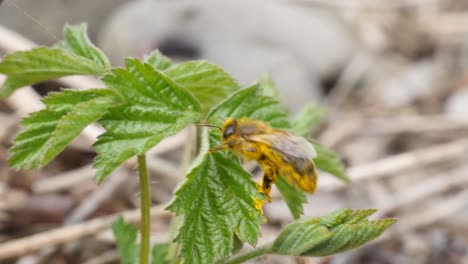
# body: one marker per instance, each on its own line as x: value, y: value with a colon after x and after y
x: 152, y: 99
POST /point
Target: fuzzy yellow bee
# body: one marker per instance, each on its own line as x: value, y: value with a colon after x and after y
x: 277, y: 151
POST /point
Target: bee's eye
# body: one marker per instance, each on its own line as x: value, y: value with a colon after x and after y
x: 228, y: 131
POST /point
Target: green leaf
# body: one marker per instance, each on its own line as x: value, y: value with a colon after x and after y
x: 292, y: 196
x: 126, y: 235
x: 328, y: 161
x: 47, y: 132
x: 268, y: 86
x: 156, y: 108
x: 340, y: 231
x: 307, y: 119
x: 223, y: 191
x: 349, y: 236
x: 237, y: 244
x: 159, y: 253
x: 344, y: 216
x: 300, y: 236
x: 158, y: 60
x: 77, y: 42
x: 250, y: 102
x: 209, y: 83
x: 40, y: 64
x: 217, y: 201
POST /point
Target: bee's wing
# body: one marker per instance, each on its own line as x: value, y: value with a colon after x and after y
x: 287, y: 143
x: 295, y: 151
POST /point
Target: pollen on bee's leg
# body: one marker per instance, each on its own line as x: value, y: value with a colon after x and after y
x: 260, y: 187
x: 258, y: 204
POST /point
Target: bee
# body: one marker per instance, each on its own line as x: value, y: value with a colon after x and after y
x: 277, y: 151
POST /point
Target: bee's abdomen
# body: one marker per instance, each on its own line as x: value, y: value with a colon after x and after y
x: 300, y: 172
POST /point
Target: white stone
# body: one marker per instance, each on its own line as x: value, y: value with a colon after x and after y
x: 456, y: 106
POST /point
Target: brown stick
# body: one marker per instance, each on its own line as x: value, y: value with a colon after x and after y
x: 62, y: 235
x: 426, y: 189
x: 400, y: 163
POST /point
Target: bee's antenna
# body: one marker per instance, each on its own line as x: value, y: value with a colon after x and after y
x: 209, y: 125
x: 222, y: 119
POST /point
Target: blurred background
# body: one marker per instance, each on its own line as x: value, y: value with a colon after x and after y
x: 392, y: 76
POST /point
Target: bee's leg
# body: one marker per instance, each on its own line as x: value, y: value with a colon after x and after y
x: 249, y: 152
x: 264, y: 186
x: 218, y: 148
x: 269, y: 177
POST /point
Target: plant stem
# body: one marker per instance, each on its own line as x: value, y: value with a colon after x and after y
x: 145, y: 226
x: 249, y: 255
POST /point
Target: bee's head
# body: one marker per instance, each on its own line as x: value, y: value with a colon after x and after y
x: 229, y: 128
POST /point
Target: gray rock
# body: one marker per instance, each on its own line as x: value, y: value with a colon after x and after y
x: 408, y: 83
x: 292, y: 43
x: 42, y: 21
x: 456, y: 106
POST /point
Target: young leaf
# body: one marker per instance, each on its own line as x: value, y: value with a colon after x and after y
x: 126, y: 235
x: 307, y: 119
x: 300, y: 236
x: 156, y: 107
x: 349, y: 236
x: 47, y: 132
x: 250, y: 102
x: 40, y: 64
x: 77, y: 42
x: 207, y: 82
x: 158, y: 60
x: 292, y: 196
x: 345, y: 216
x: 337, y: 232
x: 328, y: 161
x: 268, y: 86
x: 217, y: 200
x: 159, y: 253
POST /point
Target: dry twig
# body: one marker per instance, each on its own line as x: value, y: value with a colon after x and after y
x: 425, y: 190
x: 97, y: 197
x: 435, y: 212
x: 63, y: 181
x: 401, y: 162
x: 65, y: 234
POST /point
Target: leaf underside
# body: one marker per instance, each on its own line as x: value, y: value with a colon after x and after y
x: 340, y: 231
